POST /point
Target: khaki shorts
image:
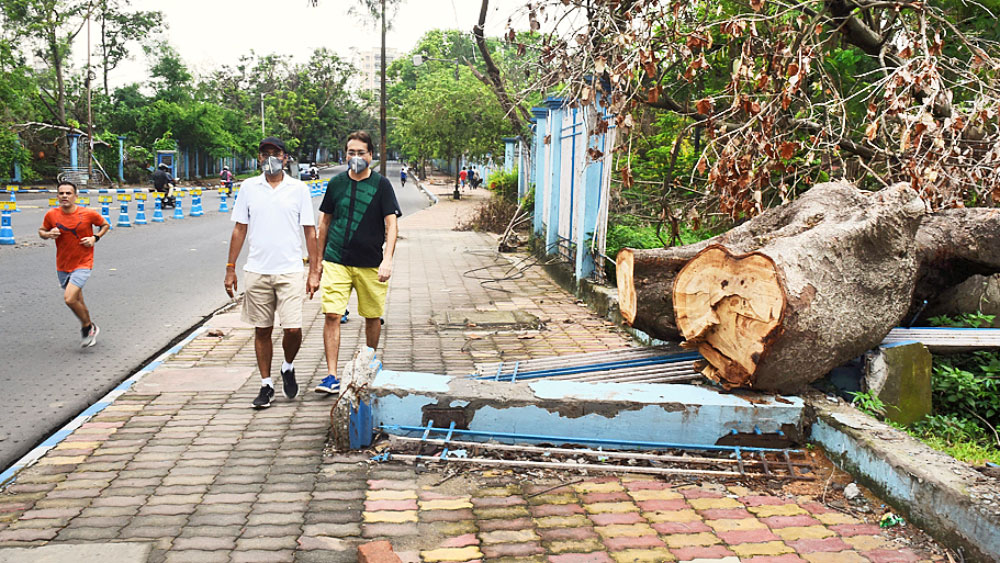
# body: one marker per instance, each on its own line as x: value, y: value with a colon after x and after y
x: 336, y: 289
x: 266, y: 294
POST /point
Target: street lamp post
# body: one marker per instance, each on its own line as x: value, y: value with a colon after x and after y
x: 262, y: 132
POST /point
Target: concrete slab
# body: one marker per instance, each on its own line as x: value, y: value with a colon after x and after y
x: 948, y: 499
x: 227, y: 320
x: 485, y: 319
x: 191, y: 380
x: 119, y: 552
x: 688, y: 414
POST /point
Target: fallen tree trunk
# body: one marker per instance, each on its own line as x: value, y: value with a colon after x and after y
x: 777, y: 302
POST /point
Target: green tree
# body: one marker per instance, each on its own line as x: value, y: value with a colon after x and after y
x: 119, y: 28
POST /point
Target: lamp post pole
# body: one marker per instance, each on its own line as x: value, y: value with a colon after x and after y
x: 381, y: 110
x: 262, y: 133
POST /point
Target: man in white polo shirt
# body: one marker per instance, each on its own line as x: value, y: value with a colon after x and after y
x: 270, y: 211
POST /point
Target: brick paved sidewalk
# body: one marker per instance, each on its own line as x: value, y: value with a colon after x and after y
x: 201, y: 477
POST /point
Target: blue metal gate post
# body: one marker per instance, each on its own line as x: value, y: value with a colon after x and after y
x: 508, y: 153
x: 541, y: 115
x: 587, y: 210
x: 555, y: 169
x: 73, y: 154
x: 121, y: 158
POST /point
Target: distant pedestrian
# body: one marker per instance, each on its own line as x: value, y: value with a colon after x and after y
x: 474, y: 179
x: 463, y: 177
x: 270, y: 211
x: 72, y: 227
x: 357, y: 216
x: 226, y: 177
x: 402, y: 176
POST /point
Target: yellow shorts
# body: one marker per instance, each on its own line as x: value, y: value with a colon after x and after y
x: 336, y: 289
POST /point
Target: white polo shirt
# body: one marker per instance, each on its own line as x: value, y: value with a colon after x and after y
x: 274, y: 219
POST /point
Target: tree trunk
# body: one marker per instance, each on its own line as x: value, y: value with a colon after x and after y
x: 778, y: 301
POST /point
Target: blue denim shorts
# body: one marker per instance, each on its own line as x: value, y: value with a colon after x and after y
x: 76, y: 277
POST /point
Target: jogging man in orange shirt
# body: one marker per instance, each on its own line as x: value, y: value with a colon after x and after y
x: 72, y: 227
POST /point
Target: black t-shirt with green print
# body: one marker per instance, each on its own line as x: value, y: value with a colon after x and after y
x: 357, y: 242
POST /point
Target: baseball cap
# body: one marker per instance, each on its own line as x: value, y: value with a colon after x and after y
x: 273, y: 141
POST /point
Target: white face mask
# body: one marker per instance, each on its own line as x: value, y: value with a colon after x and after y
x: 272, y: 165
x: 357, y: 164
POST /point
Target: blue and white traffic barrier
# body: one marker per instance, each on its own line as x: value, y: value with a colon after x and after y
x: 123, y: 218
x: 223, y: 206
x: 178, y: 204
x: 196, y: 209
x: 105, y: 201
x: 6, y: 228
x: 140, y: 208
x: 158, y: 208
x: 12, y: 190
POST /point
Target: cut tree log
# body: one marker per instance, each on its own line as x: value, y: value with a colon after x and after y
x: 778, y: 301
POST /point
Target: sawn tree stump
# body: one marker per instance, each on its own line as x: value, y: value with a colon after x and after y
x: 777, y: 302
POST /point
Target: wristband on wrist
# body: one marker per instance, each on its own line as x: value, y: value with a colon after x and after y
x: 230, y: 265
x: 97, y: 238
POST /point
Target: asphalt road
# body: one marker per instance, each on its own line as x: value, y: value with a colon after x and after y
x: 151, y: 284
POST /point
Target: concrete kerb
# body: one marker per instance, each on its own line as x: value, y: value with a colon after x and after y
x: 55, y: 439
x: 946, y: 498
x: 420, y: 185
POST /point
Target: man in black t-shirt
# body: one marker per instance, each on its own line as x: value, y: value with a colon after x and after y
x: 357, y: 216
x: 163, y: 182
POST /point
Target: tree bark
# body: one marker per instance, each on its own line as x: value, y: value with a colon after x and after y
x: 778, y: 301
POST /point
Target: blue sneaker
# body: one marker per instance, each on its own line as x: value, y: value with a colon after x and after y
x: 330, y: 384
x: 343, y: 318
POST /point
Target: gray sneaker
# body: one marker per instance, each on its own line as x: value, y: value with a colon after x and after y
x: 89, y: 336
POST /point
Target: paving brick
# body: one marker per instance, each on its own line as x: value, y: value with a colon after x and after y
x: 390, y: 494
x: 266, y: 543
x: 655, y: 494
x: 803, y: 533
x: 701, y: 552
x: 759, y: 535
x: 764, y: 500
x: 376, y: 505
x: 598, y: 557
x: 610, y: 507
x: 708, y: 503
x: 692, y: 527
x: 768, y: 510
x: 197, y: 557
x: 733, y: 524
x: 574, y: 546
x: 206, y: 543
x: 821, y: 545
x: 543, y: 510
x: 492, y: 502
x: 500, y: 524
x: 333, y: 530
x: 566, y: 534
x: 614, y: 496
x: 28, y: 534
x: 672, y: 516
x: 692, y: 540
x: 391, y: 516
x: 662, y: 504
x: 449, y: 516
x: 599, y: 486
x: 463, y: 540
x: 775, y: 522
x: 891, y: 556
x: 867, y: 543
x: 378, y: 484
x: 381, y: 529
x: 609, y: 519
x: 786, y: 558
x: 835, y: 557
x: 511, y: 550
x: 502, y: 512
x: 745, y: 550
x: 508, y: 536
x: 262, y: 556
x: 562, y: 521
x: 451, y: 554
x: 847, y: 530
x: 450, y: 504
x: 642, y: 556
x: 833, y: 518
x: 637, y: 542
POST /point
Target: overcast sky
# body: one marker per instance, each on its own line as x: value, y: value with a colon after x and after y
x: 212, y: 33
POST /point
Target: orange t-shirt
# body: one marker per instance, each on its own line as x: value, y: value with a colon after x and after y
x: 70, y: 253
